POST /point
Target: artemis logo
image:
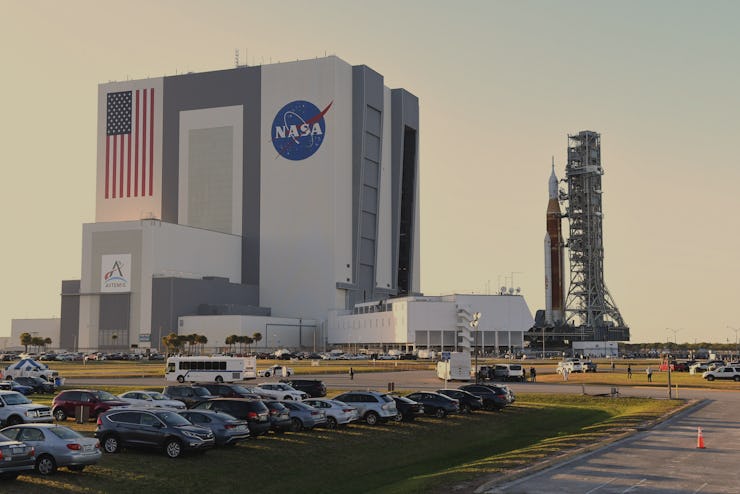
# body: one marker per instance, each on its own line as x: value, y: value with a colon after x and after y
x: 115, y: 273
x: 299, y: 129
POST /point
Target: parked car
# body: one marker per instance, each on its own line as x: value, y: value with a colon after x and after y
x: 56, y: 446
x: 279, y: 416
x: 17, y: 458
x: 508, y: 372
x: 17, y: 409
x: 39, y: 385
x: 725, y: 372
x: 493, y: 398
x: 275, y: 370
x: 468, y: 401
x: 435, y: 404
x: 227, y: 430
x: 151, y: 428
x: 304, y: 416
x: 312, y: 387
x: 280, y: 391
x: 373, y: 407
x: 228, y: 390
x: 16, y: 386
x: 255, y: 412
x: 151, y: 399
x: 337, y: 412
x: 408, y: 409
x: 190, y: 395
x: 93, y: 402
x: 589, y: 366
x: 571, y: 364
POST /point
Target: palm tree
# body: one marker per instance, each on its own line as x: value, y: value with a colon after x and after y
x: 47, y: 341
x: 249, y: 342
x: 37, y: 341
x: 229, y: 341
x: 26, y: 340
x: 202, y: 340
x: 257, y: 337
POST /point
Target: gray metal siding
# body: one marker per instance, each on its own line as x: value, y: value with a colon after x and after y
x: 70, y: 315
x: 241, y: 86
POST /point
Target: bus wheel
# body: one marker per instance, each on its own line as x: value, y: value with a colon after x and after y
x: 219, y: 379
x: 180, y: 379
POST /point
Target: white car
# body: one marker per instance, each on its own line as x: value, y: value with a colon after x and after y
x: 151, y: 399
x: 280, y: 391
x: 275, y: 371
x: 572, y: 364
x: 337, y: 412
x: 724, y: 372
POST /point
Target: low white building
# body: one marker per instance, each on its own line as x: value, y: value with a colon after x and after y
x: 439, y: 322
x: 41, y: 328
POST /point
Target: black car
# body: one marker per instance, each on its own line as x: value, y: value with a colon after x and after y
x: 435, y: 404
x: 17, y: 458
x: 254, y: 412
x: 190, y: 395
x: 279, y: 416
x: 39, y: 385
x: 408, y: 409
x: 494, y: 397
x: 312, y: 387
x: 151, y: 428
x: 468, y: 401
x: 226, y: 390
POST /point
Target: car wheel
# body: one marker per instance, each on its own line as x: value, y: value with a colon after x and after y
x: 371, y: 418
x: 737, y: 378
x: 76, y: 468
x: 465, y: 408
x: 173, y: 448
x: 267, y: 373
x: 398, y: 417
x: 710, y: 378
x: 219, y: 379
x: 14, y: 420
x: 287, y: 397
x: 440, y: 413
x: 296, y: 424
x: 180, y: 379
x: 331, y: 423
x: 45, y: 465
x: 59, y: 415
x: 111, y: 444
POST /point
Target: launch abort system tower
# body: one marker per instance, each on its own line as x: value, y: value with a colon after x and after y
x: 589, y: 307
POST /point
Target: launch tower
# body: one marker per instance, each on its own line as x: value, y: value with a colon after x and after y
x: 589, y: 307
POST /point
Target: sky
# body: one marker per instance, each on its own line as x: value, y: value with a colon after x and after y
x: 501, y: 84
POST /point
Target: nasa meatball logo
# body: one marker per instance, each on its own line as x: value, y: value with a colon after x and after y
x: 299, y: 129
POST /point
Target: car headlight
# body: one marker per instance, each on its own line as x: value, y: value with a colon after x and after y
x: 191, y: 434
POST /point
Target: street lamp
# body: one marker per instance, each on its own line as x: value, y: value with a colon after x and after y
x: 735, y: 330
x: 474, y: 327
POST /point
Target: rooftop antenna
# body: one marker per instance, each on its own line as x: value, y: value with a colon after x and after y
x: 236, y: 58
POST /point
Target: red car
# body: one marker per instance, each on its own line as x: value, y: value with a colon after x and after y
x: 93, y: 402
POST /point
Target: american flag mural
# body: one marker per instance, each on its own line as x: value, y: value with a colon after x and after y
x: 129, y: 144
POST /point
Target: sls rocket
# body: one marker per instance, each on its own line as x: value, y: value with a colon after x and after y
x: 554, y: 258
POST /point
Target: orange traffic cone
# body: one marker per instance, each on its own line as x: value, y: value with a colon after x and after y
x: 699, y: 439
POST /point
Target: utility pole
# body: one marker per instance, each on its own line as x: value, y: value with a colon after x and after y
x: 474, y: 327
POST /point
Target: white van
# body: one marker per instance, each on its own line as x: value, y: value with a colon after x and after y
x: 508, y: 372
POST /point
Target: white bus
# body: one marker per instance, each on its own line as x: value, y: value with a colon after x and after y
x: 210, y: 369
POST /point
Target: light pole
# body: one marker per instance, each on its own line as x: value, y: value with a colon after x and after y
x: 735, y: 330
x: 474, y: 327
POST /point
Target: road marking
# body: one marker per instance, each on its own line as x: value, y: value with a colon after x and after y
x: 600, y: 486
x: 635, y: 485
x: 700, y: 488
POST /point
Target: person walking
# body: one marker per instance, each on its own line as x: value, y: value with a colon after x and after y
x: 524, y: 375
x: 629, y: 371
x: 565, y: 373
x: 613, y: 366
x: 533, y: 374
x: 649, y: 373
x: 351, y: 374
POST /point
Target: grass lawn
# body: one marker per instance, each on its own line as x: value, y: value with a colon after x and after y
x: 426, y: 455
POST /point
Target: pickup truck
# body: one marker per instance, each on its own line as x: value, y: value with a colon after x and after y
x: 17, y: 409
x: 571, y: 364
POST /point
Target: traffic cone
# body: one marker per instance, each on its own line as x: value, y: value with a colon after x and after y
x: 699, y: 439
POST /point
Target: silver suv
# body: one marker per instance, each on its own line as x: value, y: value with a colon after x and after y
x: 373, y: 407
x: 724, y: 372
x: 17, y: 409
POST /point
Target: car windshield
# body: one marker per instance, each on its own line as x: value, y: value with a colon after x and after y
x: 65, y: 433
x: 157, y: 396
x: 386, y: 398
x: 201, y: 392
x: 173, y: 419
x: 105, y: 396
x: 241, y: 389
x: 16, y: 399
